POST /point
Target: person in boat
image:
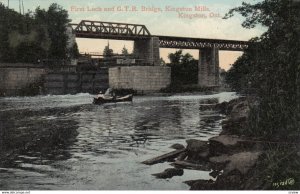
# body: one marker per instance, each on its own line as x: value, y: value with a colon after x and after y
x: 100, y: 94
x: 109, y: 94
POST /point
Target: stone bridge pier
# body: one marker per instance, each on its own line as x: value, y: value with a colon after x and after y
x: 208, y: 67
x: 148, y: 75
x: 147, y: 50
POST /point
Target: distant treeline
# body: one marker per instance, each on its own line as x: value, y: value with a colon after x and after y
x: 35, y: 35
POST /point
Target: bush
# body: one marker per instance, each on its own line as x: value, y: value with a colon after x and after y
x: 269, y: 69
x: 278, y: 168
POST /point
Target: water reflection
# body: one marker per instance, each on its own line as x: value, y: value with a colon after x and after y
x: 35, y: 137
x: 209, y: 119
x: 156, y: 120
x: 73, y: 144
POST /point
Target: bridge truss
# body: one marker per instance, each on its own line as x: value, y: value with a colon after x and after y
x: 123, y: 31
x: 109, y: 30
x: 198, y: 43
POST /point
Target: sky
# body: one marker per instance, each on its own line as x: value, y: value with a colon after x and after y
x: 158, y: 17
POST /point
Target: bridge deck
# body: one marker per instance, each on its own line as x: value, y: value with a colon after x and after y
x: 196, y: 43
x: 123, y: 31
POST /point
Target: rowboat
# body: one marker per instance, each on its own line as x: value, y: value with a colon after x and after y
x: 101, y: 99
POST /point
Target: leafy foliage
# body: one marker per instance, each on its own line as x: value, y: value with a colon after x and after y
x: 278, y: 168
x: 162, y: 61
x: 74, y: 52
x: 107, y: 52
x: 125, y: 51
x: 269, y: 68
x: 33, y: 36
x: 184, y: 68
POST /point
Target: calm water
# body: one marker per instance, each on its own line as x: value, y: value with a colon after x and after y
x: 65, y: 142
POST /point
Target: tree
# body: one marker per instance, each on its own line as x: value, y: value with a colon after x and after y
x: 107, y: 52
x: 57, y: 21
x: 184, y: 68
x: 32, y: 36
x: 125, y: 51
x: 8, y: 17
x: 175, y: 58
x: 162, y: 61
x: 74, y: 52
x: 272, y: 64
x: 187, y: 58
x: 236, y: 76
x: 272, y: 67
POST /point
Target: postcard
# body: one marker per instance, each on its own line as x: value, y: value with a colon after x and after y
x: 149, y: 95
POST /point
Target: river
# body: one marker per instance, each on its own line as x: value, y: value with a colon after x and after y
x: 65, y: 142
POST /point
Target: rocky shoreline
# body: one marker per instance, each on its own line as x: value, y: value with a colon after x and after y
x: 230, y: 158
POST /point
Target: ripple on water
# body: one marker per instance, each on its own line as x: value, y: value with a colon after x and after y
x: 73, y: 144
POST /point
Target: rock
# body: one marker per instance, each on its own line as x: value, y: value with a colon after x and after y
x: 201, y: 184
x: 242, y: 162
x: 226, y: 140
x: 191, y: 165
x: 191, y: 182
x: 238, y: 116
x: 229, y: 182
x: 197, y: 150
x: 177, y: 146
x: 219, y: 162
x: 240, y: 111
x: 234, y: 102
x: 227, y: 107
x: 222, y: 107
x: 233, y: 127
x: 169, y: 173
x: 219, y: 159
x: 229, y: 144
x: 215, y: 173
x: 182, y: 156
x: 224, y: 144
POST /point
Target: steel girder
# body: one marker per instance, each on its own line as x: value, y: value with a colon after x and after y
x: 123, y: 31
x: 198, y: 43
x: 109, y: 30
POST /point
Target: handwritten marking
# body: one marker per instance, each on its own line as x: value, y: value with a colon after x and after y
x: 289, y: 181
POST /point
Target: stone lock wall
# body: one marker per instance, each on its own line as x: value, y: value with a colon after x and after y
x: 14, y: 77
x: 61, y: 83
x: 75, y: 82
x: 140, y: 78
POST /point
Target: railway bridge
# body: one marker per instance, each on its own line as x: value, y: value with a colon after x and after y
x: 146, y: 45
